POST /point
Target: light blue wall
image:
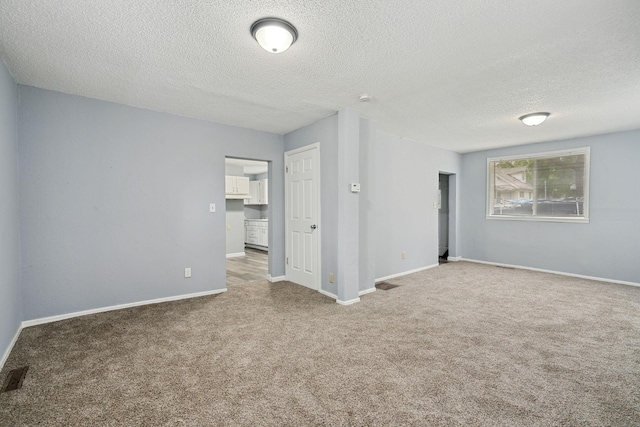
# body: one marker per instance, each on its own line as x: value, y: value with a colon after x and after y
x: 607, y: 247
x: 325, y: 132
x: 234, y: 214
x: 115, y: 202
x: 235, y: 226
x: 399, y: 183
x: 10, y: 304
x: 406, y: 185
x: 367, y: 229
x: 348, y: 161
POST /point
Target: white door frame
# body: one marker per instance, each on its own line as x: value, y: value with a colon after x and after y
x: 314, y: 146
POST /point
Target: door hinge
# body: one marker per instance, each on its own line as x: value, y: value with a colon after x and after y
x: 287, y: 260
x: 286, y: 169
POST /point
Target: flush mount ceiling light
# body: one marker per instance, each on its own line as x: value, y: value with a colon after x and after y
x: 534, y: 119
x: 273, y: 34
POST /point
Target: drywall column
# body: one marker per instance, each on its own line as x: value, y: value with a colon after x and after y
x: 10, y: 294
x: 367, y: 182
x: 348, y: 206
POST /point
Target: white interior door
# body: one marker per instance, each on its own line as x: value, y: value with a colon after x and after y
x: 302, y: 210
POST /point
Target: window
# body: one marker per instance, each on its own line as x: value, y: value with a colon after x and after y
x: 540, y: 187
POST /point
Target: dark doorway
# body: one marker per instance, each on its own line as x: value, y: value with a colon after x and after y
x: 443, y: 217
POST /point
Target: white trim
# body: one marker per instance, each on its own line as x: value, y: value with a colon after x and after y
x: 367, y: 291
x: 276, y: 278
x: 236, y: 255
x: 50, y: 319
x: 7, y: 352
x: 303, y: 149
x: 329, y: 294
x: 404, y: 273
x: 454, y: 258
x: 577, y: 220
x: 560, y: 273
x: 349, y: 302
x: 313, y: 146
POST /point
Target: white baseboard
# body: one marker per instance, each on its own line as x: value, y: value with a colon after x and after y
x: 276, y: 278
x: 454, y: 258
x: 237, y: 254
x: 329, y: 294
x: 335, y: 297
x: 7, y: 352
x: 404, y: 273
x: 50, y: 319
x: 561, y: 273
x: 348, y: 302
x: 367, y: 291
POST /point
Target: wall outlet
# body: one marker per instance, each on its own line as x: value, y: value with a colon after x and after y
x: 330, y: 277
x: 404, y: 255
x: 187, y: 272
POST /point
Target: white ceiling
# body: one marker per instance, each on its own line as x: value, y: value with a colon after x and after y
x: 453, y: 74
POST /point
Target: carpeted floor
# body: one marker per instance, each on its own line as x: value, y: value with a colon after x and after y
x: 460, y: 344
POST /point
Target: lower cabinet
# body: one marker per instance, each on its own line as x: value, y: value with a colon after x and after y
x: 256, y: 233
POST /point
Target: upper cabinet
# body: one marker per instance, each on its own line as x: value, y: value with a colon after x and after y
x: 253, y: 193
x: 263, y: 192
x: 259, y: 192
x: 236, y: 187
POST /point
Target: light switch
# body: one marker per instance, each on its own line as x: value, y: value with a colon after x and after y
x: 212, y: 207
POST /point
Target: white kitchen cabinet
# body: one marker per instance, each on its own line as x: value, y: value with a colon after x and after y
x: 236, y: 187
x: 263, y: 192
x: 252, y: 234
x: 263, y: 234
x: 258, y: 192
x: 254, y: 190
x: 257, y: 233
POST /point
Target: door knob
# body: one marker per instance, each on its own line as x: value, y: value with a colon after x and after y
x: 313, y: 227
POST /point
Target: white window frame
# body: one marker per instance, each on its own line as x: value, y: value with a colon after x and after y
x: 586, y: 151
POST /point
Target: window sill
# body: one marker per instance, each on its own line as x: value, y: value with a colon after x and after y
x: 578, y: 220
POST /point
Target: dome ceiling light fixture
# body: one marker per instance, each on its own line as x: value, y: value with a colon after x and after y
x: 273, y: 34
x: 534, y: 119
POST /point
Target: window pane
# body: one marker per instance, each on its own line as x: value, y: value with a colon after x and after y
x: 552, y: 186
x: 560, y: 186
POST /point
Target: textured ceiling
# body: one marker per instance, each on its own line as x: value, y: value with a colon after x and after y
x: 453, y: 74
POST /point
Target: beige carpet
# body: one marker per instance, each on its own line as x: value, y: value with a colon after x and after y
x: 460, y: 344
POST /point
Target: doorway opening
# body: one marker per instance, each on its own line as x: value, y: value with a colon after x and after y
x: 443, y: 218
x: 247, y: 217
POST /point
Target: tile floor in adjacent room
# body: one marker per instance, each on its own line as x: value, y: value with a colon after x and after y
x: 249, y: 268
